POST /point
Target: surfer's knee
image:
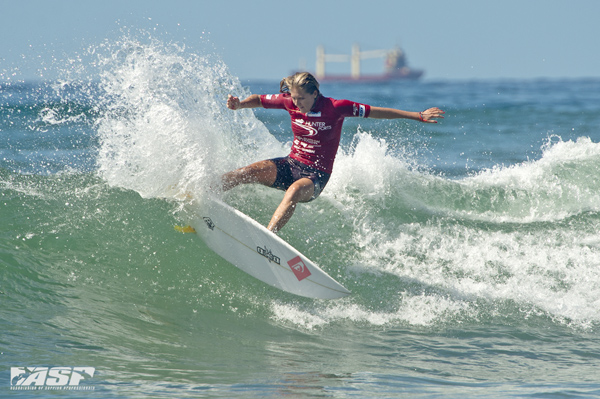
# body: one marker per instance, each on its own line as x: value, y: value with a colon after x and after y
x: 292, y: 196
x: 301, y: 191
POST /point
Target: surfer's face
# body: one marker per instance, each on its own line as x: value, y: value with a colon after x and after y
x: 303, y: 100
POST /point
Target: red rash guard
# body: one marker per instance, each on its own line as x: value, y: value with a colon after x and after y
x: 317, y: 133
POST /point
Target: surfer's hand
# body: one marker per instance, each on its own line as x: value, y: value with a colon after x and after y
x: 233, y: 102
x: 429, y: 115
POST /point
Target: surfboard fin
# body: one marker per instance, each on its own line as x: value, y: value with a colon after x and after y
x: 185, y: 229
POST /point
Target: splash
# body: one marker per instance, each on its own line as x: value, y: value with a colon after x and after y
x: 164, y: 121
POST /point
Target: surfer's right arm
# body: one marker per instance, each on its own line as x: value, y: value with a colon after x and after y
x: 253, y: 101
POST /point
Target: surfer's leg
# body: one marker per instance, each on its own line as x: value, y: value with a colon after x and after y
x: 301, y: 191
x: 262, y: 172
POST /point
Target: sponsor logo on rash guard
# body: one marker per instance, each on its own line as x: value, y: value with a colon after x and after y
x: 359, y: 110
x: 312, y: 127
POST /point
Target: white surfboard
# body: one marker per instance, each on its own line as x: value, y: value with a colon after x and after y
x: 251, y: 247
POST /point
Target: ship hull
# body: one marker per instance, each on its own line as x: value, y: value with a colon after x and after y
x: 391, y: 77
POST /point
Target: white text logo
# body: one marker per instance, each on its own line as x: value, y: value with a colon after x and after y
x: 50, y: 378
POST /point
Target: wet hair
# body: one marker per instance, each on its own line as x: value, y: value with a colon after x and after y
x: 303, y: 80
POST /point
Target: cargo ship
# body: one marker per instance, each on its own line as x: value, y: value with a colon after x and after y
x: 395, y: 66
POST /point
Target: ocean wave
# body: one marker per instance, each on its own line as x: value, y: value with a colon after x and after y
x: 414, y: 246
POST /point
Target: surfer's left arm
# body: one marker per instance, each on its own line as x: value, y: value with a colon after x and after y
x: 427, y: 116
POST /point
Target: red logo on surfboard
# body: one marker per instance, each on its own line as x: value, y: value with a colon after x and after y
x: 299, y: 268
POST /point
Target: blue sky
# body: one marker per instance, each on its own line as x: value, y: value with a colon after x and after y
x: 266, y: 39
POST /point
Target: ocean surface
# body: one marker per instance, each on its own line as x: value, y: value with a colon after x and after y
x: 471, y: 247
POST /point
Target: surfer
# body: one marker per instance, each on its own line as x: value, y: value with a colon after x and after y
x: 317, y: 125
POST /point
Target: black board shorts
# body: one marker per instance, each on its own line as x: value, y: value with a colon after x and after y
x: 290, y: 170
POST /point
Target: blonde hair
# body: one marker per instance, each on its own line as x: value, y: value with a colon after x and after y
x: 303, y: 80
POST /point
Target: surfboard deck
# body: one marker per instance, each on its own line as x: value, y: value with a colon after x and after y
x: 251, y: 247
